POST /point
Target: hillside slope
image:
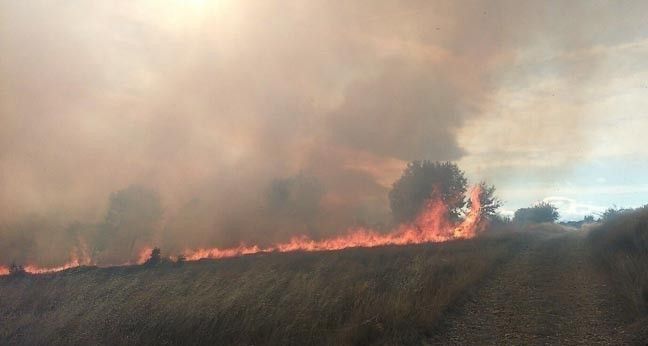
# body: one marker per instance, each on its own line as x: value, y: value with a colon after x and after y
x: 539, y: 286
x: 383, y: 295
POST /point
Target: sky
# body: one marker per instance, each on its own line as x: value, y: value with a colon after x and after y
x: 209, y: 102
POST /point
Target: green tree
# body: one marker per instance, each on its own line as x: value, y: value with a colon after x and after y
x: 613, y: 213
x: 488, y: 201
x: 540, y: 212
x: 423, y: 180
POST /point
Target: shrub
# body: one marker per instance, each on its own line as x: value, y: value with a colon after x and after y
x: 620, y: 245
x: 16, y: 270
x: 423, y: 180
x: 612, y: 213
x: 540, y: 212
x: 155, y: 257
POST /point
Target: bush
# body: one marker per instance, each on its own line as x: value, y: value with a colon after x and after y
x: 155, y: 257
x: 620, y: 245
x: 612, y: 213
x: 423, y: 180
x: 541, y: 212
x: 499, y: 219
x: 16, y: 270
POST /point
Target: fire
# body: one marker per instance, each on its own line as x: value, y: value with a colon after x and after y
x: 432, y: 225
x: 33, y: 269
x: 78, y: 257
x: 473, y: 222
x: 144, y: 254
x: 216, y: 253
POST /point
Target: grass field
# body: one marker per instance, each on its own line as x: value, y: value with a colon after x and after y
x: 355, y: 296
x: 620, y: 247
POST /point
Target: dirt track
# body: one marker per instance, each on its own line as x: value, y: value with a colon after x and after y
x: 548, y: 294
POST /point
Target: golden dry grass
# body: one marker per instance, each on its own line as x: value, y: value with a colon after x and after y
x: 384, y: 295
x: 620, y: 247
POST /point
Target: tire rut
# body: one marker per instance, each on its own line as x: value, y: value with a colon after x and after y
x: 548, y: 294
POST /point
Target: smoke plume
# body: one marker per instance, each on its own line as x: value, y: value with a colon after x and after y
x: 188, y: 124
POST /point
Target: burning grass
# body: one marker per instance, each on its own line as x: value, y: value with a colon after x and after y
x: 432, y: 225
x: 380, y: 295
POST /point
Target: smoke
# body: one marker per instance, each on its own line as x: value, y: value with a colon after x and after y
x: 245, y: 121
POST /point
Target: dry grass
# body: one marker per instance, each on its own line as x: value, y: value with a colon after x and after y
x: 390, y: 295
x: 620, y: 245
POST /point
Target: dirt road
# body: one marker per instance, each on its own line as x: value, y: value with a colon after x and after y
x: 548, y: 294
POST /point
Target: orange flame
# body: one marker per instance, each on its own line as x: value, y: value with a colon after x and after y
x: 33, y: 269
x: 78, y: 257
x: 144, y: 254
x: 472, y: 224
x: 432, y: 225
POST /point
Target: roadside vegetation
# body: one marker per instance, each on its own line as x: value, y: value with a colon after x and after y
x: 620, y: 247
x: 538, y: 213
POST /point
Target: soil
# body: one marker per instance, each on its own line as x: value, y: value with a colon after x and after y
x: 550, y: 293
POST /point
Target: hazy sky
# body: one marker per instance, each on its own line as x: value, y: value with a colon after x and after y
x: 546, y: 100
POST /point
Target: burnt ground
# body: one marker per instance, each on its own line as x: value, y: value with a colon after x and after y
x: 549, y: 294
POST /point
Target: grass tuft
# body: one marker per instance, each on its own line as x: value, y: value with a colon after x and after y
x: 393, y: 295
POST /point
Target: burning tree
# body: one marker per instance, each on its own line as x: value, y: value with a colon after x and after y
x: 16, y: 270
x: 425, y: 180
x: 489, y: 203
x: 155, y: 258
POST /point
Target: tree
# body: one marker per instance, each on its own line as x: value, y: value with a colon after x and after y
x: 133, y: 213
x: 16, y: 270
x: 613, y: 213
x: 155, y: 257
x: 499, y: 219
x: 487, y: 200
x: 423, y: 180
x: 540, y: 212
x: 297, y: 197
x: 180, y: 260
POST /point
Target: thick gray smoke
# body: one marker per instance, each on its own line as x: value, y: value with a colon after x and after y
x: 233, y: 121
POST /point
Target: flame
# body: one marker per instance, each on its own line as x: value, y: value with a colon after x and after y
x: 430, y: 226
x: 33, y: 269
x: 216, y: 253
x: 144, y: 254
x: 78, y: 257
x: 472, y: 224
